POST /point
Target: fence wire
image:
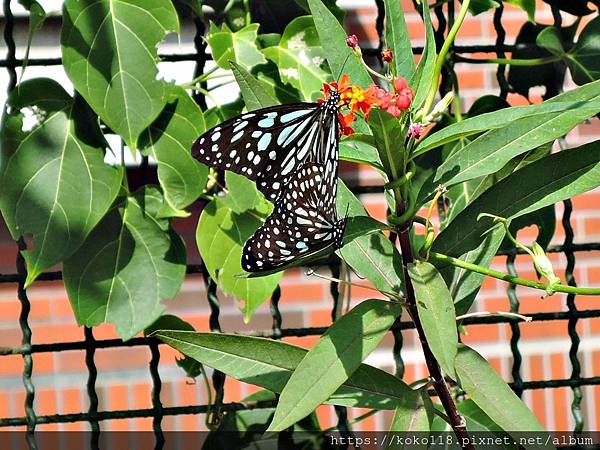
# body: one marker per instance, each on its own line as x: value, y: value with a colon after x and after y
x: 89, y: 344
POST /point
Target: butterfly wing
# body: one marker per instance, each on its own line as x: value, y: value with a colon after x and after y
x: 303, y: 223
x: 268, y: 145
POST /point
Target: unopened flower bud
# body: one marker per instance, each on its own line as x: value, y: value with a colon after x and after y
x: 543, y: 265
x: 440, y: 107
x: 387, y: 55
x: 352, y: 42
x: 415, y: 130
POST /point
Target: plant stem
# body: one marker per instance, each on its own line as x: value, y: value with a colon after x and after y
x: 456, y: 421
x: 510, y: 62
x: 511, y: 279
x: 439, y: 63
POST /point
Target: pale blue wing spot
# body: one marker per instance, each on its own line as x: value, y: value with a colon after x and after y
x: 237, y: 136
x: 294, y: 115
x: 264, y: 142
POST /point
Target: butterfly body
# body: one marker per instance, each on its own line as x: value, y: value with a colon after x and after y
x: 291, y: 152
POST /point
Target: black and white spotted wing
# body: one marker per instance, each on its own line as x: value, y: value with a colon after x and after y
x: 268, y: 145
x: 303, y: 223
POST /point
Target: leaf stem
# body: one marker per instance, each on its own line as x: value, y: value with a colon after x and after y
x: 438, y: 257
x: 495, y: 313
x: 510, y: 62
x: 439, y: 63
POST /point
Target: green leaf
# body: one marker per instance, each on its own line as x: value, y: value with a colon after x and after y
x: 126, y: 266
x: 504, y: 117
x: 372, y: 255
x: 268, y: 75
x: 398, y: 40
x: 269, y: 364
x: 54, y: 182
x: 190, y: 366
x: 37, y: 16
x: 239, y: 46
x: 181, y: 177
x: 491, y: 393
x: 332, y: 35
x: 253, y: 92
x: 220, y: 236
x: 436, y: 311
x: 480, y: 6
x: 423, y: 77
x: 388, y: 141
x: 583, y: 58
x: 360, y: 149
x: 300, y: 57
x: 109, y: 53
x: 544, y: 182
x: 242, y: 194
x: 526, y: 5
x: 491, y: 151
x: 551, y: 39
x: 413, y: 415
x: 337, y: 354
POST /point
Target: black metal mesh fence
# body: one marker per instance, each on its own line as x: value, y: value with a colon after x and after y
x: 93, y: 416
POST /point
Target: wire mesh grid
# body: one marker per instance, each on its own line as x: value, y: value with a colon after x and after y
x: 90, y: 345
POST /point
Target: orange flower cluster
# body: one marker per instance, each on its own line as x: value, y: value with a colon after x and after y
x: 359, y: 99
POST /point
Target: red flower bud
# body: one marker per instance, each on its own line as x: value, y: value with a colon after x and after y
x: 400, y: 84
x: 415, y: 130
x: 352, y: 41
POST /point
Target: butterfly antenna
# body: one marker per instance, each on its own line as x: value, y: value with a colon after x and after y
x: 342, y: 68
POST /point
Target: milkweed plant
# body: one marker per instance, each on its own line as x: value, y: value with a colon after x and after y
x: 484, y: 173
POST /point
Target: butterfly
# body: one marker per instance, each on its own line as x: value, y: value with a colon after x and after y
x: 291, y: 152
x: 304, y: 223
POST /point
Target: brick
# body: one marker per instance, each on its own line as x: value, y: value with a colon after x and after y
x: 11, y: 365
x: 481, y: 333
x: 118, y: 400
x: 117, y: 358
x: 538, y: 402
x: 45, y: 401
x: 69, y: 401
x: 308, y: 289
x: 326, y: 416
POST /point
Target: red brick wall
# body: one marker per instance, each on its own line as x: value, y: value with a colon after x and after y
x: 123, y: 376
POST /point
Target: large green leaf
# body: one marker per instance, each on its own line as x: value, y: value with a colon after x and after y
x: 109, y: 53
x: 491, y: 393
x: 238, y: 46
x: 300, y: 57
x: 220, y: 236
x: 54, y: 182
x: 255, y: 95
x: 337, y: 354
x: 269, y: 364
x: 584, y: 58
x: 388, y: 141
x: 168, y: 139
x: 495, y: 148
x: 398, y: 39
x: 127, y: 265
x: 370, y: 254
x: 436, y: 311
x: 498, y: 119
x: 360, y: 149
x: 413, y: 415
x: 241, y: 195
x: 332, y: 35
x: 549, y: 180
